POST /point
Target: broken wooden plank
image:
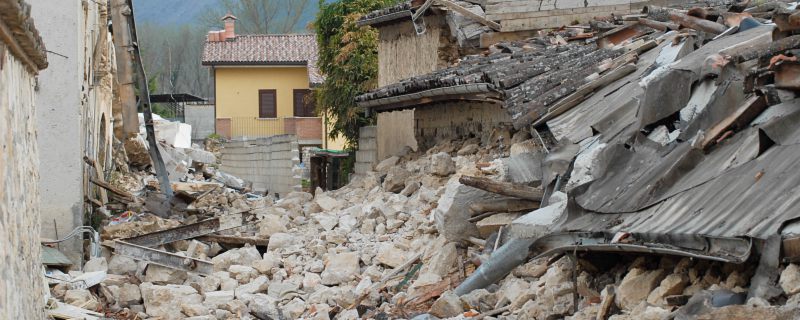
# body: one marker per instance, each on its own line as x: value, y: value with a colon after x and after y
x: 231, y: 240
x: 751, y: 108
x: 424, y: 7
x: 787, y: 75
x: 98, y: 174
x: 489, y: 38
x: 469, y: 14
x: 503, y: 188
x: 194, y: 230
x: 697, y: 23
x: 163, y: 258
x: 195, y: 186
x: 513, y: 205
x: 66, y: 311
x: 658, y: 25
x: 121, y: 193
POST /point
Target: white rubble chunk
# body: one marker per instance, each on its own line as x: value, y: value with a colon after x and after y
x: 790, y: 279
x: 442, y: 164
x: 165, y: 301
x: 279, y: 241
x: 390, y: 255
x: 387, y: 164
x: 218, y: 298
x: 121, y: 265
x: 96, y: 264
x: 162, y: 275
x: 81, y: 298
x: 258, y: 285
x: 242, y: 256
x: 448, y: 305
x: 342, y: 267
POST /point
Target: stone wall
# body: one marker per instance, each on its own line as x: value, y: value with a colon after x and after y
x: 21, y: 280
x: 367, y: 153
x: 266, y: 162
x: 454, y: 120
x: 201, y: 118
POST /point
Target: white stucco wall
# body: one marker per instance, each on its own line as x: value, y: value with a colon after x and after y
x: 73, y: 112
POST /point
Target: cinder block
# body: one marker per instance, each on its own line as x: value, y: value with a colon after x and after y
x: 366, y: 156
x: 361, y: 167
x: 369, y: 144
x: 368, y: 132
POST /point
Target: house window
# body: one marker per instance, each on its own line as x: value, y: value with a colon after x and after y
x: 267, y: 104
x: 304, y: 104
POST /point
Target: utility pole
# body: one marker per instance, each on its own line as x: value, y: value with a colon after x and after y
x: 123, y: 46
x: 129, y: 55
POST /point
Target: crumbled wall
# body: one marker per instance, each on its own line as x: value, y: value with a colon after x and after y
x: 266, y: 162
x: 453, y: 120
x: 21, y: 281
x: 395, y: 133
x: 403, y: 54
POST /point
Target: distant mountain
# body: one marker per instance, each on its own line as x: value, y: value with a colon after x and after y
x: 171, y: 12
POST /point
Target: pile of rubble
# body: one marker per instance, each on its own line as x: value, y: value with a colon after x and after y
x: 575, y: 214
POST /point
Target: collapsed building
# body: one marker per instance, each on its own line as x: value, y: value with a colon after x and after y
x: 636, y: 166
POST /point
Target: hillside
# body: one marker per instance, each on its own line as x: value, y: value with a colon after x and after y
x: 171, y: 12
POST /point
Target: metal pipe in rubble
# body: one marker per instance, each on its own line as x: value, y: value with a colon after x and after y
x: 505, y: 259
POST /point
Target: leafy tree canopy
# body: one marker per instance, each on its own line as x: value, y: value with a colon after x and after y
x: 348, y: 57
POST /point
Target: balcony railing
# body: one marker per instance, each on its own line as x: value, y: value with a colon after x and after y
x: 305, y: 128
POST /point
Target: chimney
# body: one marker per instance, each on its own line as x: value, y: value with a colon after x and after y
x: 230, y: 27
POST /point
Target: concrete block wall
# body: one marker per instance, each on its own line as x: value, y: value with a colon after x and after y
x: 201, y: 118
x: 266, y: 162
x: 367, y: 154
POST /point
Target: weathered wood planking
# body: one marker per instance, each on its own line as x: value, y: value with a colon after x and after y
x: 516, y: 15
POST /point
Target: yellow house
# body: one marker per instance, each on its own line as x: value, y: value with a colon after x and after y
x: 262, y: 85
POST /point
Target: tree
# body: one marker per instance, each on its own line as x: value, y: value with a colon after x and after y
x: 262, y: 16
x: 348, y: 57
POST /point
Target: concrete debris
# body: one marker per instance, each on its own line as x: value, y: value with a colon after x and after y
x: 790, y: 279
x: 395, y: 179
x: 442, y: 164
x: 81, y: 298
x: 448, y: 305
x: 546, y: 219
x: 339, y: 268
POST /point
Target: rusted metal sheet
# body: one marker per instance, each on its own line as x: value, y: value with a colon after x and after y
x: 193, y: 230
x: 787, y: 75
x: 163, y: 258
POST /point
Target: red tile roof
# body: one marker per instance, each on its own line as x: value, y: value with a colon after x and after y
x: 277, y: 49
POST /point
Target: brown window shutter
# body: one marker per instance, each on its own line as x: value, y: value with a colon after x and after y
x: 267, y: 103
x: 310, y: 104
x: 304, y: 105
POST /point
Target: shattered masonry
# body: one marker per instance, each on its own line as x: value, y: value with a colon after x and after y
x: 639, y: 165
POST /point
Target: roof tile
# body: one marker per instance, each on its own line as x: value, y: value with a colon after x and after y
x: 266, y: 49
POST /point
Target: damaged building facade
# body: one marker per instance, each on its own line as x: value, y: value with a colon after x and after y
x: 22, y: 56
x: 74, y: 100
x: 632, y: 165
